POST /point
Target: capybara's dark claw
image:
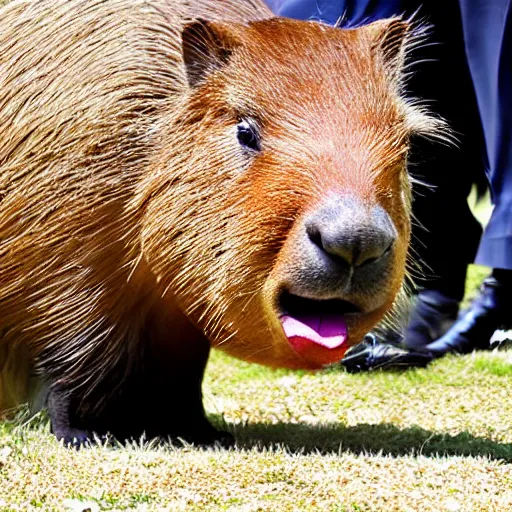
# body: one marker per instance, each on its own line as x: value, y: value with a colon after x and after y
x: 73, y: 438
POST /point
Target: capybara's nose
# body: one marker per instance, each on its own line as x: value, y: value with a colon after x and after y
x: 351, y: 232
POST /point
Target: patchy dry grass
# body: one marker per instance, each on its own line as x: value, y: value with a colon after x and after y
x: 435, y: 439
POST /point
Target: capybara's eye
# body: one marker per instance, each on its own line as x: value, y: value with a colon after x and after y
x: 248, y: 136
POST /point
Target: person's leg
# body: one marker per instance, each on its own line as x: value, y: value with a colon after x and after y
x: 441, y: 248
x: 488, y: 39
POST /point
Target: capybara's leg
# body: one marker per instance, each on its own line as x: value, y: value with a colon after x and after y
x: 169, y: 381
x: 160, y: 398
x: 173, y: 395
x: 60, y: 408
x: 155, y: 392
x: 154, y: 389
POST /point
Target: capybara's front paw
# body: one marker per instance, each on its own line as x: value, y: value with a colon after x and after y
x: 74, y: 438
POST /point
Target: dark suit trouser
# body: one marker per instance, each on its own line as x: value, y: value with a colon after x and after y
x: 487, y: 28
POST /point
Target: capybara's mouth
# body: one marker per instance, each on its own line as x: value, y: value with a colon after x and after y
x: 311, y: 324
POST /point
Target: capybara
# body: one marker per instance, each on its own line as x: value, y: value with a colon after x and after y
x: 177, y: 175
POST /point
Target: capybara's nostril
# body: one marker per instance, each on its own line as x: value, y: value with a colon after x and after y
x: 376, y: 251
x: 351, y: 233
x: 326, y: 240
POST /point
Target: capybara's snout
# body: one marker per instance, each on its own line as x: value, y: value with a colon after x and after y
x: 350, y: 242
x: 337, y: 274
x: 343, y: 250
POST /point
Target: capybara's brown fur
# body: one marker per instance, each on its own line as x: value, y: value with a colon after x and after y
x: 175, y: 175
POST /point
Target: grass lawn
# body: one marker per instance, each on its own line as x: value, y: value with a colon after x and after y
x: 435, y: 439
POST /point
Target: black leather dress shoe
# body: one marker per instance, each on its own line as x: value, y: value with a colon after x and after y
x: 475, y: 327
x: 431, y: 316
x: 374, y: 354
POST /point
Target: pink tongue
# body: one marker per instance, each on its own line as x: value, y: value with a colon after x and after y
x: 328, y: 330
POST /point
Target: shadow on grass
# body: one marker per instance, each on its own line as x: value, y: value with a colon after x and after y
x: 333, y: 438
x: 385, y: 439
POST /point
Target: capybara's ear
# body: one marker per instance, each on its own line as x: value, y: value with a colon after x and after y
x: 390, y: 38
x: 206, y: 47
